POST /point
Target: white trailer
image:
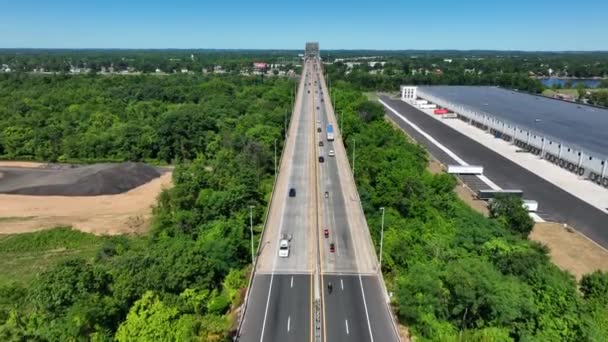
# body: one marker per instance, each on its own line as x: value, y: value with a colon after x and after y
x: 421, y: 102
x: 428, y: 106
x: 530, y: 205
x: 465, y: 169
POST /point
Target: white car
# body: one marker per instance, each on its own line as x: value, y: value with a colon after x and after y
x: 284, y: 248
x: 332, y: 153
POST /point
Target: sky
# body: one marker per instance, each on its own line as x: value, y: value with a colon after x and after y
x: 536, y: 25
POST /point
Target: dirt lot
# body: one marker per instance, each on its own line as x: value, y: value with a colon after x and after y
x: 128, y: 212
x: 20, y: 164
x: 570, y: 250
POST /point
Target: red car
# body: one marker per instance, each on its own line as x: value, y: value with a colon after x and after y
x: 326, y: 232
x: 332, y: 247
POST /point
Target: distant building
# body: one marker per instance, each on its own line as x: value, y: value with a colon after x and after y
x: 184, y: 71
x: 447, y: 60
x: 260, y: 66
x: 373, y: 64
x: 312, y: 49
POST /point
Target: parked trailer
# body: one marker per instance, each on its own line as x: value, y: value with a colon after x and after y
x: 428, y: 106
x: 420, y: 102
x: 465, y: 169
x: 531, y: 205
x: 489, y: 194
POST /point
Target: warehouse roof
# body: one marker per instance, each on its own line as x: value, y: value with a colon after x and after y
x: 578, y: 124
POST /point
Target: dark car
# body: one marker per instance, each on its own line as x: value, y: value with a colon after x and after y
x: 321, y: 143
x: 332, y: 247
x: 292, y: 192
x: 321, y: 159
x: 319, y: 129
x: 317, y: 107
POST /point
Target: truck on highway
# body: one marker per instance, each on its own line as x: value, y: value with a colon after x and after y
x: 330, y: 132
x: 428, y: 106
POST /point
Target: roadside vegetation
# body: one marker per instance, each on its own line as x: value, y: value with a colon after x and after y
x: 180, y: 281
x: 455, y: 274
x: 129, y: 118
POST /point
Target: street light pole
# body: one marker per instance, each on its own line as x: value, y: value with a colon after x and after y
x: 251, y: 230
x: 381, y: 238
x: 354, y: 148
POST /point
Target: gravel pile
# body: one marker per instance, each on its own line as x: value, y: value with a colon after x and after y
x: 90, y: 180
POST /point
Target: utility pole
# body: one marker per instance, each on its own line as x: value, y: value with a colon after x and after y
x: 251, y: 230
x: 381, y: 238
x: 354, y: 147
x: 340, y: 123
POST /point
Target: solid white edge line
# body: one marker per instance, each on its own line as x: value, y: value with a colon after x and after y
x: 369, y: 325
x: 274, y: 263
x: 536, y: 218
x: 266, y: 311
x: 426, y: 135
x: 454, y: 156
x: 488, y: 182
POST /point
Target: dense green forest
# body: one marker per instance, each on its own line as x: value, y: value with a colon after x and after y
x: 179, y: 282
x: 456, y: 275
x: 395, y: 75
x: 146, y: 61
x: 92, y: 118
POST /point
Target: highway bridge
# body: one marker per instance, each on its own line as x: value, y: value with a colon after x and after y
x: 289, y: 297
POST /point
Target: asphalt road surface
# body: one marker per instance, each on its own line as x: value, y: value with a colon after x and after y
x: 280, y: 298
x: 356, y: 309
x: 556, y: 204
x: 280, y: 305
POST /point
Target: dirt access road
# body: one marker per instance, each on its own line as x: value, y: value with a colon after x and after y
x: 128, y: 212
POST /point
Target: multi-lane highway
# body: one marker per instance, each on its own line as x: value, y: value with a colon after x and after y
x: 289, y: 298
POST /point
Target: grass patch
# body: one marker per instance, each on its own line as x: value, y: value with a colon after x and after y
x: 23, y: 256
x: 371, y: 95
x: 569, y: 92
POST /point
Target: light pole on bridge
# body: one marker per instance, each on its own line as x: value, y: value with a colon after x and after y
x: 381, y: 238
